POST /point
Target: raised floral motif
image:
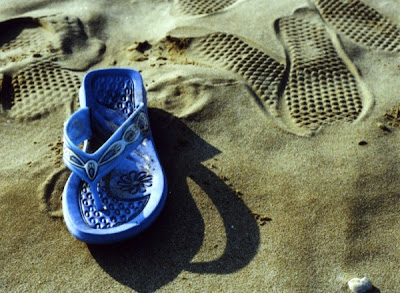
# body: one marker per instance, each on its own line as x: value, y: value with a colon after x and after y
x: 135, y: 182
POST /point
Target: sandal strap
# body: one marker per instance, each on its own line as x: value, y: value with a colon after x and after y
x: 91, y: 167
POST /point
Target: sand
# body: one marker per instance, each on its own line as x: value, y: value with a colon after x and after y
x: 277, y: 124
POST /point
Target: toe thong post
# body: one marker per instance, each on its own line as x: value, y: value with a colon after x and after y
x: 91, y: 167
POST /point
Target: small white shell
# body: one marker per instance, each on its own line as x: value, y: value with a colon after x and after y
x: 357, y: 285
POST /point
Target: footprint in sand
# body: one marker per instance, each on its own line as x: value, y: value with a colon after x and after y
x: 37, y: 90
x: 361, y: 23
x: 198, y: 7
x: 24, y: 39
x: 323, y: 86
x: 319, y: 85
x: 263, y: 73
x: 219, y: 50
x: 36, y: 55
x: 51, y: 191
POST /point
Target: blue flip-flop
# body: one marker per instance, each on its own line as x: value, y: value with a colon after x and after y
x: 117, y: 187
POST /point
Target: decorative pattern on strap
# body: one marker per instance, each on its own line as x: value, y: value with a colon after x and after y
x: 131, y: 130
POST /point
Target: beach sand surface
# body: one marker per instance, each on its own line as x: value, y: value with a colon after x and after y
x: 277, y: 124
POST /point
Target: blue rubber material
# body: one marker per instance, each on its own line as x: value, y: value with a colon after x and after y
x: 117, y: 187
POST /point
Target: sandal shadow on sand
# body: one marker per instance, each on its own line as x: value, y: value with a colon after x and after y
x: 117, y: 187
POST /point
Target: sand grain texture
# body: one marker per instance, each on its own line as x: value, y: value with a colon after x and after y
x: 277, y: 123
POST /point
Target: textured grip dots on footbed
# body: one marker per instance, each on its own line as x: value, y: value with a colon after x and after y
x: 361, y: 23
x: 116, y: 211
x: 115, y: 92
x: 196, y: 7
x: 262, y: 72
x: 321, y: 89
